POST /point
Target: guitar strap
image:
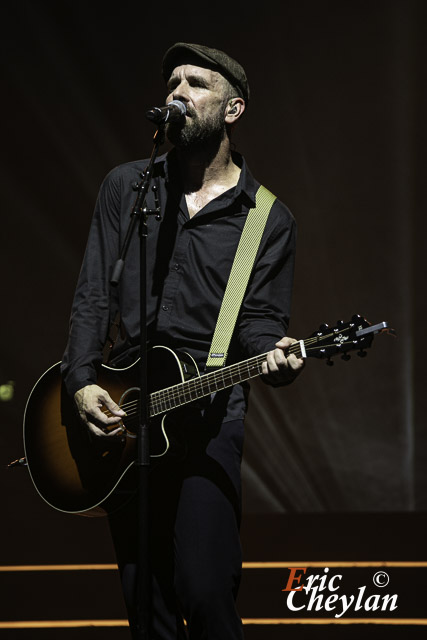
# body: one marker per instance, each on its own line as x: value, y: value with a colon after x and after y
x: 239, y: 277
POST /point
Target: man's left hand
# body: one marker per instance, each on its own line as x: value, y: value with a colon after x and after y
x: 280, y: 369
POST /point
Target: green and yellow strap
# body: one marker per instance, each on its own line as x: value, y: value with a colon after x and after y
x: 239, y: 276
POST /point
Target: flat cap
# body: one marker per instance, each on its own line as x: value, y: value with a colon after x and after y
x: 217, y: 60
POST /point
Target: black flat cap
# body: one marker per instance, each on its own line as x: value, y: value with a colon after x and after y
x: 215, y: 59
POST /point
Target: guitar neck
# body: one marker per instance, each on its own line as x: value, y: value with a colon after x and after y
x: 201, y: 386
x: 325, y: 343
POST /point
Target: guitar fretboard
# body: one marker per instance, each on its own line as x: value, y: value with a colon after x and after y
x: 191, y: 390
x: 325, y: 343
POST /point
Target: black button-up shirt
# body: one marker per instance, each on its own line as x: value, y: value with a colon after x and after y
x: 188, y: 264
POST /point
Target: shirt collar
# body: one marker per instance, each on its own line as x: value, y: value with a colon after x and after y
x: 246, y: 185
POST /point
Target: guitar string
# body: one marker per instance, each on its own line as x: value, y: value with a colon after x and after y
x: 178, y: 392
x: 163, y: 409
x: 184, y: 389
x: 183, y: 392
x: 194, y: 385
x: 195, y: 382
x: 232, y: 370
x: 170, y: 394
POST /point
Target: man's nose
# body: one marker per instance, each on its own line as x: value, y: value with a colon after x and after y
x: 181, y: 92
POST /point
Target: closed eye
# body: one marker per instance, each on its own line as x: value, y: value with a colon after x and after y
x: 193, y: 81
x: 172, y: 84
x: 198, y: 82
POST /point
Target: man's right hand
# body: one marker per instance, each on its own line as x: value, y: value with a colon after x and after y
x: 89, y: 401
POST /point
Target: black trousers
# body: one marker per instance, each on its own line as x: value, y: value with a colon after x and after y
x: 195, y: 552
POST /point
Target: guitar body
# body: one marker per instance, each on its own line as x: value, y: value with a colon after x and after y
x: 76, y: 472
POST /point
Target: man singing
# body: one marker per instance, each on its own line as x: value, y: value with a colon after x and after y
x: 205, y: 192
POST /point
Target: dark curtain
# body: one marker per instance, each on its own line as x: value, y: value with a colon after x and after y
x: 335, y: 128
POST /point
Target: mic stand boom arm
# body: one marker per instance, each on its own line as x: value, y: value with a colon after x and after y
x: 140, y: 213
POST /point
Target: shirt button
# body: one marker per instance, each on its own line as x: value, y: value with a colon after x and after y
x: 165, y: 307
x: 176, y: 266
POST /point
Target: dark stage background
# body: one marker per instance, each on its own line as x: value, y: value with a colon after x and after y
x: 335, y: 129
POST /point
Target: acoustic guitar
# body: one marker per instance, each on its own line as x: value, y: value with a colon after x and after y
x: 78, y: 473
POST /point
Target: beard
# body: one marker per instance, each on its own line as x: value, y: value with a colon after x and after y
x: 197, y: 133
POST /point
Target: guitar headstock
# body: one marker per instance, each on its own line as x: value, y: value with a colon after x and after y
x: 355, y: 335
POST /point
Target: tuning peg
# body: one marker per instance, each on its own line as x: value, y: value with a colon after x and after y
x: 345, y: 356
x: 362, y: 354
x: 340, y: 323
x: 323, y: 327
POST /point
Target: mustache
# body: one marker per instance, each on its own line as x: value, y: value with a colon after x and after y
x: 190, y: 111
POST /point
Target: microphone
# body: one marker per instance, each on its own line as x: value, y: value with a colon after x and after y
x: 171, y: 113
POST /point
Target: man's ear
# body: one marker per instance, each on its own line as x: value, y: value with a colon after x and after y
x: 234, y: 110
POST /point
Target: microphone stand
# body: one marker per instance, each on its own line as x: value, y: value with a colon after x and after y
x: 140, y: 213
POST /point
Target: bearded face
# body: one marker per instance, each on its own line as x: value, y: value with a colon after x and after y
x: 197, y: 131
x: 205, y: 93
